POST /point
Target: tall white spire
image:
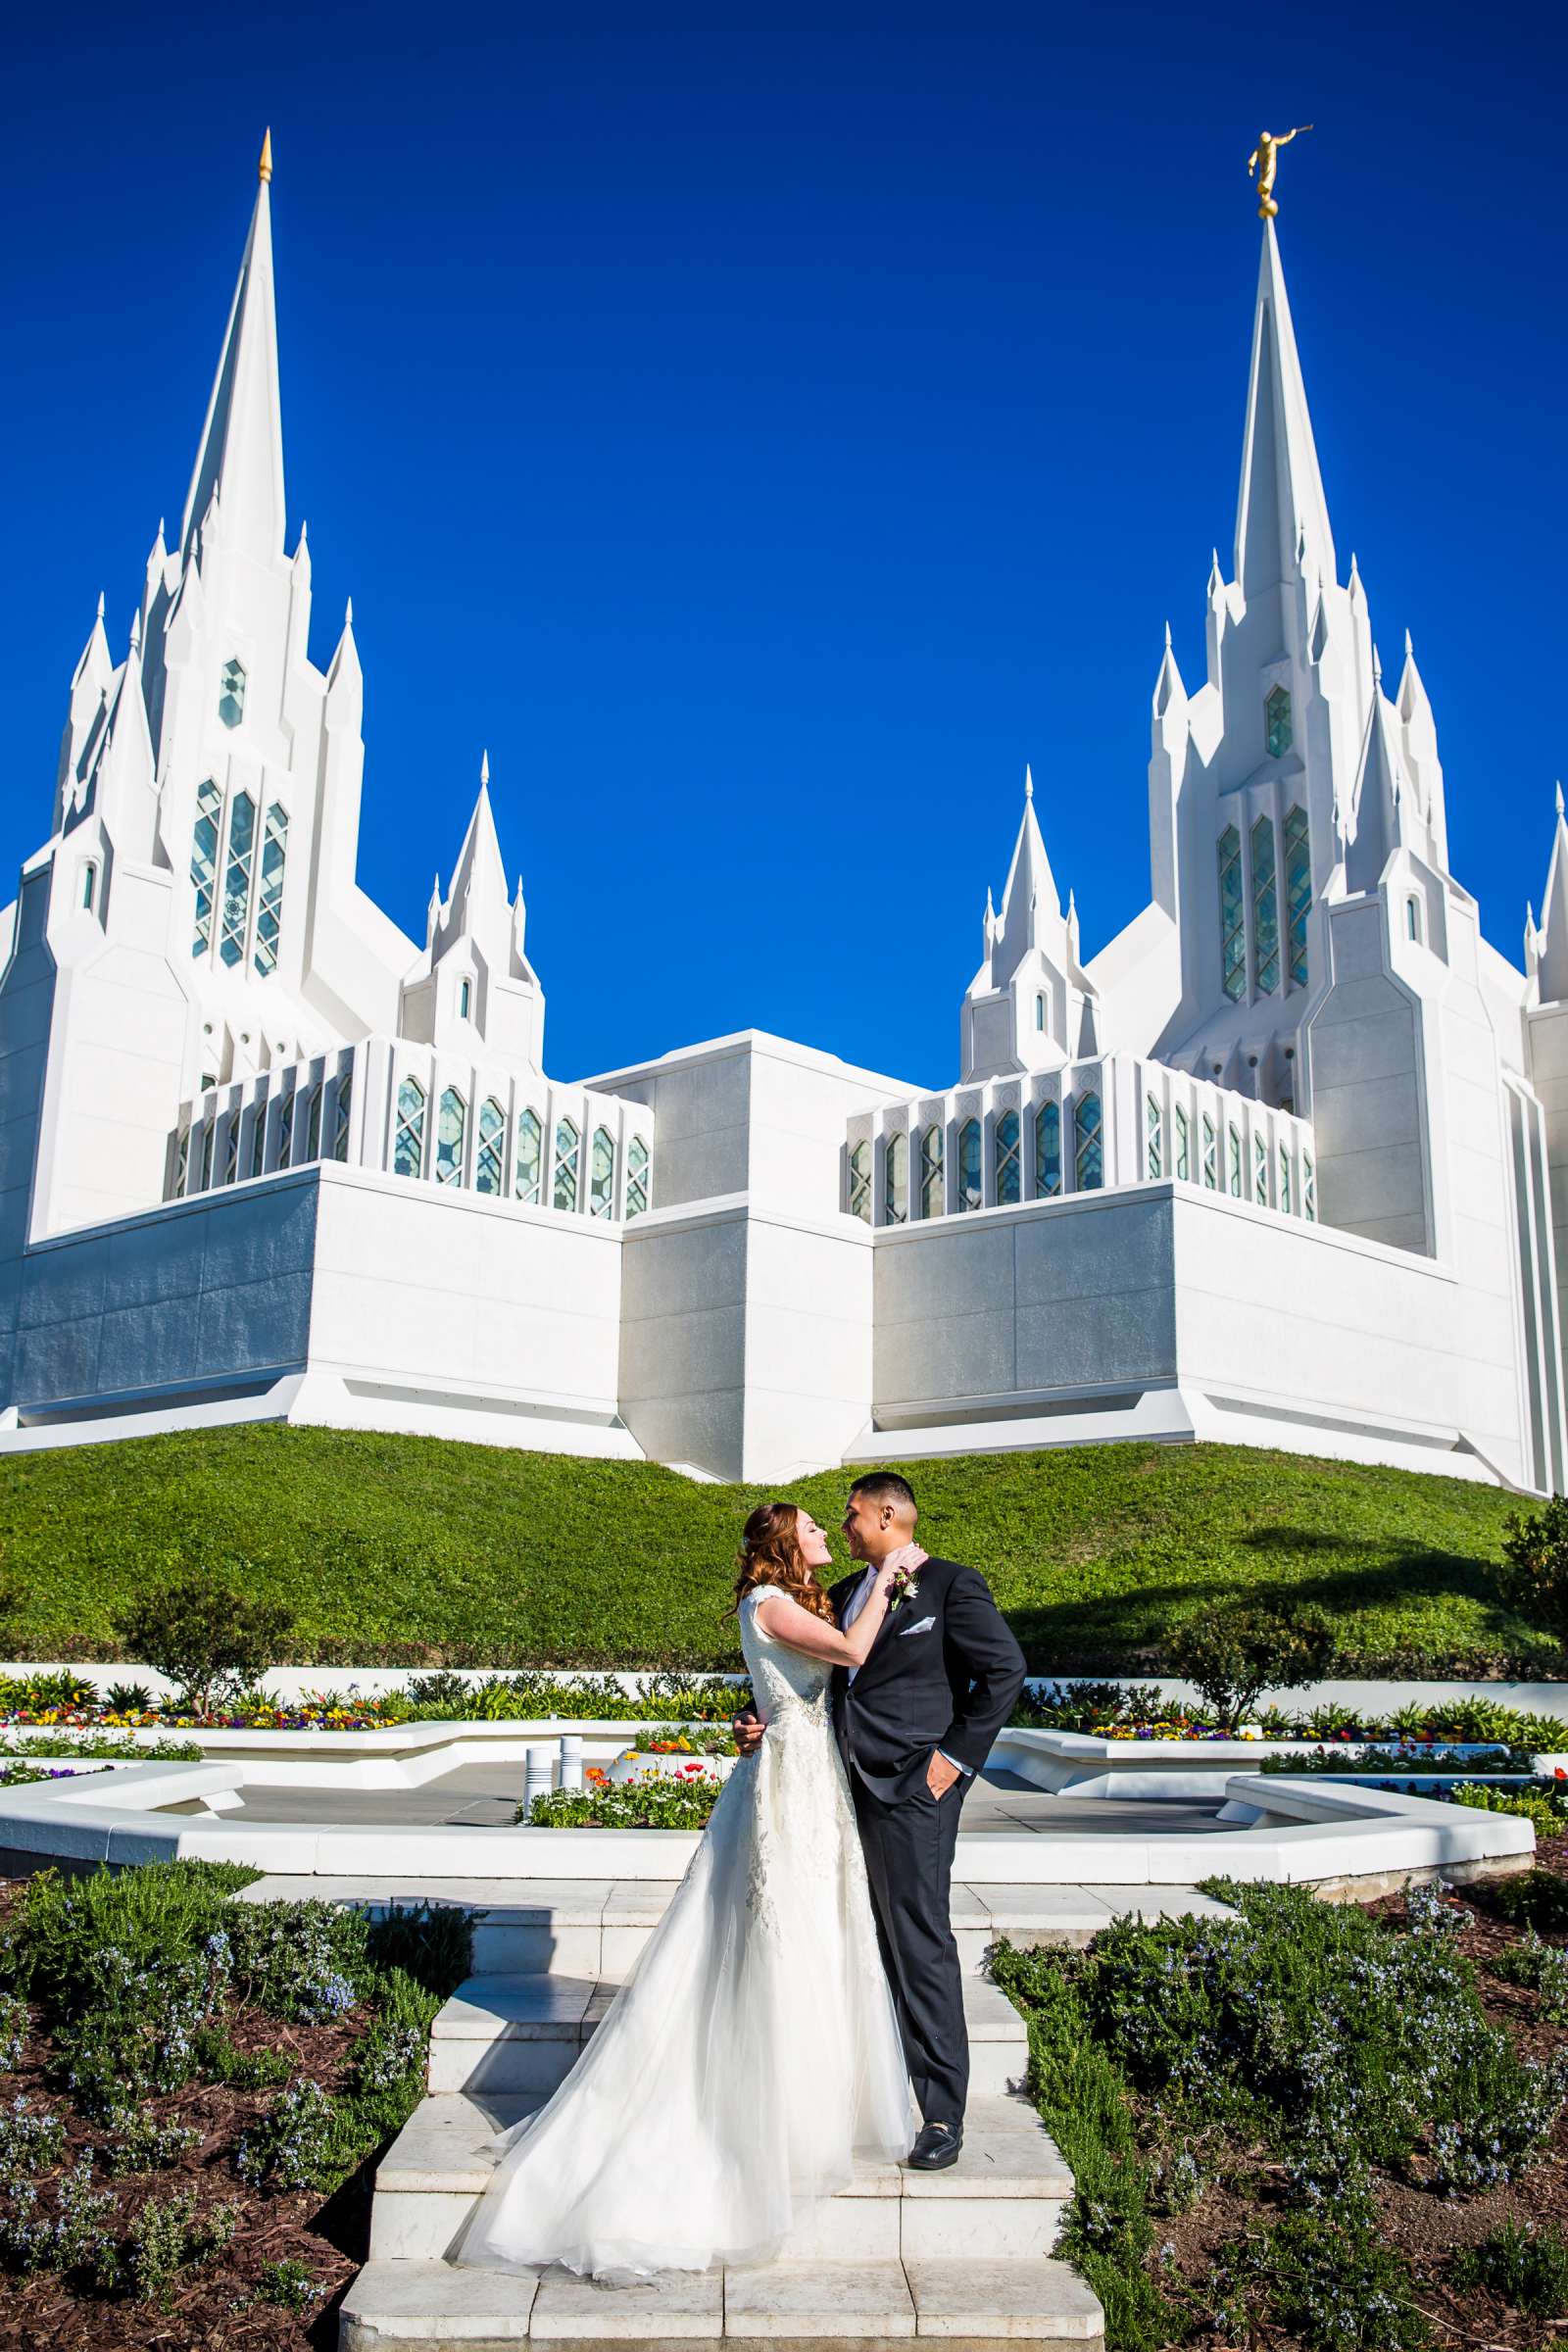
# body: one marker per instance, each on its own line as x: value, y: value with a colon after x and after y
x: 479, y: 905
x: 1281, y: 506
x: 241, y: 453
x: 1030, y: 895
x: 1553, y: 928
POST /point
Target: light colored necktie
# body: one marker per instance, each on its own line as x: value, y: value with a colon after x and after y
x: 856, y: 1602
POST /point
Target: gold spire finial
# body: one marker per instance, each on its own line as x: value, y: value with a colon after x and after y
x: 264, y: 170
x: 1264, y: 160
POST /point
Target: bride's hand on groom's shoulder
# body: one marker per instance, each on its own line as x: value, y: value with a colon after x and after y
x: 907, y: 1557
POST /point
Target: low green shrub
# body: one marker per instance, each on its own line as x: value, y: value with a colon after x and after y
x: 288, y: 2284
x: 1539, y: 1806
x: 206, y: 1634
x: 217, y: 2060
x: 45, y: 1694
x: 1326, y: 2279
x: 1532, y: 1577
x: 33, y: 2140
x: 1537, y: 1898
x: 104, y: 1747
x: 1397, y: 1763
x: 1233, y: 1656
x: 1524, y: 2265
x: 1543, y: 1969
x: 77, y: 2236
x: 291, y: 2144
x: 168, y: 2236
x: 140, y: 2143
x: 650, y: 1802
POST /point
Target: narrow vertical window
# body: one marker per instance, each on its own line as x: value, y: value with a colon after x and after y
x: 203, y: 863
x: 232, y: 1149
x: 1089, y: 1152
x: 933, y: 1174
x: 1308, y: 1189
x: 1010, y: 1173
x: 896, y: 1180
x: 1232, y: 916
x: 285, y: 1130
x: 182, y: 1162
x: 1260, y: 1170
x: 259, y: 1136
x: 1184, y: 1147
x: 861, y: 1181
x: 602, y: 1175
x: 313, y: 1121
x: 1047, y: 1150
x: 1154, y: 1139
x: 1283, y: 1182
x: 451, y: 1127
x: 568, y: 1152
x: 89, y: 886
x: 408, y: 1142
x: 342, y: 1113
x: 1265, y: 908
x: 489, y: 1166
x: 465, y: 1000
x: 1278, y: 729
x: 231, y: 693
x: 636, y: 1177
x: 1236, y: 1162
x: 1412, y: 920
x: 209, y: 1139
x: 1298, y: 891
x: 528, y: 1160
x: 269, y: 901
x: 1039, y: 1013
x: 1210, y: 1154
x: 972, y: 1169
x: 237, y: 877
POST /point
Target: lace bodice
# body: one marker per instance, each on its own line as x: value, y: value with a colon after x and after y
x: 785, y: 1681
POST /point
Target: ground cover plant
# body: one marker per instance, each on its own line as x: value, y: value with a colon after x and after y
x: 422, y: 1552
x: 1324, y: 2127
x: 192, y: 2089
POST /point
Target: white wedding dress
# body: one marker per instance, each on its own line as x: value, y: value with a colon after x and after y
x: 751, y: 2053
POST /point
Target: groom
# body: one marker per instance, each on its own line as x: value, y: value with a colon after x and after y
x: 914, y: 1725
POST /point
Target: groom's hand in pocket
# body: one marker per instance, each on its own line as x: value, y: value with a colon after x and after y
x: 750, y: 1732
x: 940, y: 1775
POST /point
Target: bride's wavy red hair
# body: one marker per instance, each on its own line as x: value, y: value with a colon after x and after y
x: 770, y: 1554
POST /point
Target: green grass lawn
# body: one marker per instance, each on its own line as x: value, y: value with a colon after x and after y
x: 406, y: 1549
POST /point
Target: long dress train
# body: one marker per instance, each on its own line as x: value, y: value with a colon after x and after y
x: 752, y: 2050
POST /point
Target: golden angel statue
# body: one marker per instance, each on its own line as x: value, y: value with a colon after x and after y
x: 1264, y: 160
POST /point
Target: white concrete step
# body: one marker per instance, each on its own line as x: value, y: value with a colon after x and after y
x: 522, y: 2034
x: 968, y: 2303
x: 1007, y: 2196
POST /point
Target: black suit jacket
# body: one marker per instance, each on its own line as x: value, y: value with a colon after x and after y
x: 949, y: 1684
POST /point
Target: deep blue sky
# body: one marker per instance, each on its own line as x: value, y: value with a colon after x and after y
x: 767, y: 427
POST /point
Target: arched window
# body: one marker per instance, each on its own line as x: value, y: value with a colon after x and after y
x: 528, y: 1159
x: 1283, y: 1182
x: 203, y: 863
x: 341, y: 1112
x: 569, y: 1153
x: 1047, y: 1150
x: 1039, y: 1013
x: 1260, y: 1170
x: 860, y: 1180
x: 1236, y: 1162
x: 1210, y: 1154
x: 1184, y: 1147
x: 1010, y: 1172
x: 933, y: 1178
x: 465, y: 998
x: 489, y: 1167
x: 1232, y: 916
x: 451, y: 1127
x: 896, y: 1180
x: 1412, y: 920
x: 313, y: 1122
x: 89, y: 884
x: 1279, y: 731
x: 237, y: 877
x: 408, y: 1142
x: 1265, y: 908
x: 231, y: 692
x: 972, y: 1169
x: 636, y: 1177
x: 602, y: 1175
x: 285, y: 1130
x: 1154, y: 1138
x: 1308, y: 1189
x: 1298, y: 891
x: 1088, y: 1155
x: 269, y: 900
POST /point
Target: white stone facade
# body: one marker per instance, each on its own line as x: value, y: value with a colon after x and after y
x: 1285, y: 1164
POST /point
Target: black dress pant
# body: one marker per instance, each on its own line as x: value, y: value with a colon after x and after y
x: 908, y: 1849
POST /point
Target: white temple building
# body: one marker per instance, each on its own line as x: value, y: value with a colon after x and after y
x: 1285, y: 1164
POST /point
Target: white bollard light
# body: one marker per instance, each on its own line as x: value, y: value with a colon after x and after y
x: 536, y: 1779
x: 570, y: 1760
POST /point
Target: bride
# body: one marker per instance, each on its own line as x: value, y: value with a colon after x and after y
x: 754, y: 2049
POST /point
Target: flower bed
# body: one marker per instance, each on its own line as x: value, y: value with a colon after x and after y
x: 682, y: 1800
x: 1115, y: 1711
x: 63, y: 1702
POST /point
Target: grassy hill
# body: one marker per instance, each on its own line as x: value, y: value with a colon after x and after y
x: 410, y: 1550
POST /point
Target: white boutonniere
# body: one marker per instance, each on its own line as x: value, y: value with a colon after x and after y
x: 903, y: 1585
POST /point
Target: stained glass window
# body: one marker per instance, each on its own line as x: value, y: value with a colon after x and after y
x: 1236, y: 1162
x: 340, y: 1115
x: 285, y: 1131
x: 237, y: 877
x: 1088, y: 1155
x: 1154, y: 1139
x: 602, y: 1175
x: 528, y: 1161
x: 231, y: 693
x: 568, y: 1151
x: 636, y: 1177
x: 1047, y: 1150
x: 451, y: 1127
x: 232, y: 1149
x: 209, y: 1139
x: 1010, y: 1173
x: 259, y: 1136
x: 1298, y: 891
x: 933, y: 1192
x: 203, y: 863
x: 1277, y: 721
x: 971, y: 1165
x: 1232, y: 916
x: 1308, y: 1189
x: 1183, y: 1149
x: 270, y: 903
x: 1283, y: 1182
x: 1260, y: 1170
x: 896, y: 1180
x: 1210, y: 1154
x: 1265, y: 908
x: 182, y: 1162
x: 313, y: 1123
x: 407, y: 1145
x: 489, y: 1167
x: 861, y: 1181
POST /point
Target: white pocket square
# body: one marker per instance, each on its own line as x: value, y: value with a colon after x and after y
x: 924, y: 1626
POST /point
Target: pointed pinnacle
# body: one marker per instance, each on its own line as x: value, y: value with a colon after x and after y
x: 484, y: 767
x: 1028, y: 783
x: 1559, y: 799
x: 1530, y: 916
x: 100, y: 604
x: 348, y: 612
x: 1409, y: 648
x: 1073, y: 901
x: 263, y: 168
x: 1167, y: 636
x: 1377, y: 666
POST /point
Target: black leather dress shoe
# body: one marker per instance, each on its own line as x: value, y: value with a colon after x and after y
x: 937, y: 2147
